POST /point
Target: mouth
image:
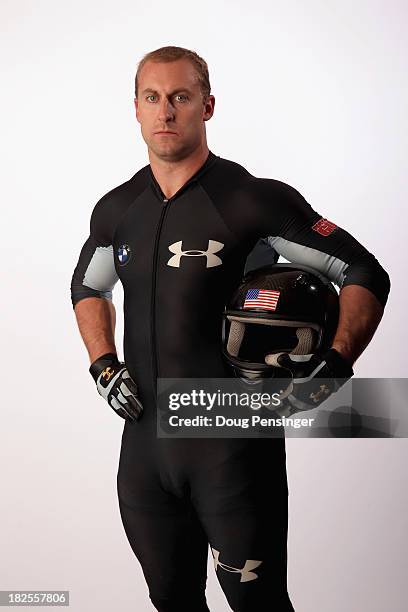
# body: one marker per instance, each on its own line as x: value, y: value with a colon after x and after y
x: 166, y: 132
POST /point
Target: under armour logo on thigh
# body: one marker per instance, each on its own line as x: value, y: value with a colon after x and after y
x: 212, y: 260
x: 246, y: 573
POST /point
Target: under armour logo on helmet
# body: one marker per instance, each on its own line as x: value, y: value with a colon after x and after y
x: 212, y: 259
x: 246, y: 573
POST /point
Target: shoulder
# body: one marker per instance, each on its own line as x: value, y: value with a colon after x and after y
x: 226, y: 180
x: 272, y: 188
x: 110, y: 207
x: 231, y: 170
x: 128, y: 189
x: 235, y: 175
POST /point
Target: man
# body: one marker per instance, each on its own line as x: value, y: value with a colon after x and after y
x: 178, y: 234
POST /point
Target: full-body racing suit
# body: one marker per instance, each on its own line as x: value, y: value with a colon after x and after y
x: 179, y: 259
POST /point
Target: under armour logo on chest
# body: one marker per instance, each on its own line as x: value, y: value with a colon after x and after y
x: 212, y: 259
x: 246, y: 572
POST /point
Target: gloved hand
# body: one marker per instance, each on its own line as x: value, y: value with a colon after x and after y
x: 114, y: 383
x: 314, y: 377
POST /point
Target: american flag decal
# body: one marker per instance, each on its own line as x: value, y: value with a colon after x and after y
x: 267, y: 299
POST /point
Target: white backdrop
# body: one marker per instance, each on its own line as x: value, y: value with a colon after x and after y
x: 311, y: 93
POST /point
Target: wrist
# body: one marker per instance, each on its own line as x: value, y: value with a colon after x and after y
x: 102, y: 362
x: 345, y: 351
x: 99, y: 350
x: 338, y: 363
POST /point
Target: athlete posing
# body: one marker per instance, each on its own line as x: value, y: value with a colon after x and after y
x: 177, y: 234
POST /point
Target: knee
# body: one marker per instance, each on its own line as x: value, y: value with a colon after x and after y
x: 260, y: 602
x: 179, y: 602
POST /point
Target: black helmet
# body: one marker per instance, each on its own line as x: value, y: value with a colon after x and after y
x: 278, y: 308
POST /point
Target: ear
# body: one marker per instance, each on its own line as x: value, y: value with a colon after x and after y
x: 136, y: 103
x: 209, y: 107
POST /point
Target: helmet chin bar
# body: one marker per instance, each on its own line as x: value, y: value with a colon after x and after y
x: 253, y: 376
x: 304, y: 331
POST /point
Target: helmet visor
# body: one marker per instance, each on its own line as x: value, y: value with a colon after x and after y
x: 251, y: 341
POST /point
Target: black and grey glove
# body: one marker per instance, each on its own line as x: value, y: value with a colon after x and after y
x: 314, y: 377
x: 114, y: 383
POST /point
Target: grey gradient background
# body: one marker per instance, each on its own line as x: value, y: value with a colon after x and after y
x: 311, y: 93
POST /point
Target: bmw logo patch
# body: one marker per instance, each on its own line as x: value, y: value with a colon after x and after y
x: 124, y: 253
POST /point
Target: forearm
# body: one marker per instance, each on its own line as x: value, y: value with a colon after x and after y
x: 96, y: 318
x: 360, y: 315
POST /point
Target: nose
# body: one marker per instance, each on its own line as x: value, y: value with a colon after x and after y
x: 166, y: 111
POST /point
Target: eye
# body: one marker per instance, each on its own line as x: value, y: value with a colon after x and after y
x: 181, y: 96
x: 150, y: 96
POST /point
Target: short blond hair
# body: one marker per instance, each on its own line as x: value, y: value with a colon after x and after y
x: 171, y: 54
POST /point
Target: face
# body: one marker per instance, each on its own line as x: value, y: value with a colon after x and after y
x: 170, y: 101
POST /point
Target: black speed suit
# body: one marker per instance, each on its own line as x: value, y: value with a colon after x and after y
x: 178, y: 260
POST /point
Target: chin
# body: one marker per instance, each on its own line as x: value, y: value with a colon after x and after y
x: 169, y: 151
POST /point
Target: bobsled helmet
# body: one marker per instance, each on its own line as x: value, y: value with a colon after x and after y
x: 278, y: 308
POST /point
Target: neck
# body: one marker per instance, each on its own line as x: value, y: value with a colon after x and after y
x: 173, y: 174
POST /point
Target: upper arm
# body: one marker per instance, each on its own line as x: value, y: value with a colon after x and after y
x: 302, y: 235
x: 95, y: 274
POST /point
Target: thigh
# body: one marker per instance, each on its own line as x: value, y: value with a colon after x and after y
x: 172, y: 550
x: 162, y: 529
x: 243, y: 506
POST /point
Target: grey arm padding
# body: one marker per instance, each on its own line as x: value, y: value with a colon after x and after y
x: 100, y: 273
x: 330, y: 266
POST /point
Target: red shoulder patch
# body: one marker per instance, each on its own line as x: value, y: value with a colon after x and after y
x: 324, y: 227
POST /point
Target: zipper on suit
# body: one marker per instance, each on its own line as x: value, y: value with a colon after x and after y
x: 153, y: 295
x: 166, y: 203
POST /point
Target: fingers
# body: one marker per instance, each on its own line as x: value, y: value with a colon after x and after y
x: 115, y: 404
x: 128, y: 388
x: 130, y: 383
x: 273, y: 359
x: 284, y: 361
x: 126, y: 409
x: 130, y: 405
x: 134, y: 406
x: 122, y: 396
x: 313, y: 379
